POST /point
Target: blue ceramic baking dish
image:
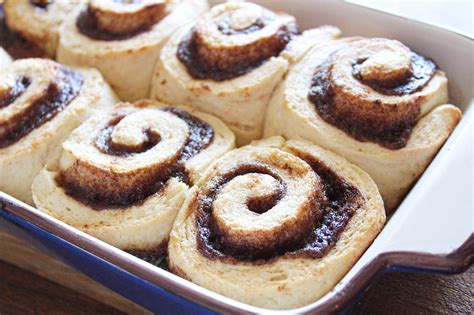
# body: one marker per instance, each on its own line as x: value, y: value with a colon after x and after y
x: 431, y: 230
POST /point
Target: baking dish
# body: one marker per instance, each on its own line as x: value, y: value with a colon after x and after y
x: 431, y: 230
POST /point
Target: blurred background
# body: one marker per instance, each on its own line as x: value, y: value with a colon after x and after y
x: 453, y: 14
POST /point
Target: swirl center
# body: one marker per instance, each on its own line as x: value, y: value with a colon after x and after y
x: 243, y: 19
x: 387, y: 66
x: 114, y: 140
x: 392, y: 68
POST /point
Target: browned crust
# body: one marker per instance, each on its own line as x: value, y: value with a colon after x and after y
x: 159, y: 250
x: 177, y: 271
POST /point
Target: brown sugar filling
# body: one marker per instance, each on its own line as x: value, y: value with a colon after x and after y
x: 339, y: 203
x: 10, y: 95
x: 41, y: 4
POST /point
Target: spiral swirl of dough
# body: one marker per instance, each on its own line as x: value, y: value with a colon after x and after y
x: 368, y: 88
x: 234, y: 38
x: 123, y: 176
x: 272, y: 217
x: 134, y: 152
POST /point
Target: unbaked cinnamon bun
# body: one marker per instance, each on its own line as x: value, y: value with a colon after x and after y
x: 373, y: 101
x: 123, y: 39
x: 230, y: 61
x: 275, y: 224
x: 123, y: 176
x: 41, y: 102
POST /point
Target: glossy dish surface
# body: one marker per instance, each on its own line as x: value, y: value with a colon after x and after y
x: 410, y: 239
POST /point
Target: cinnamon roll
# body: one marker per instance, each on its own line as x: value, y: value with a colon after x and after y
x: 41, y: 102
x: 373, y: 101
x: 275, y: 224
x: 124, y: 38
x: 123, y: 176
x: 38, y: 21
x: 230, y: 61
